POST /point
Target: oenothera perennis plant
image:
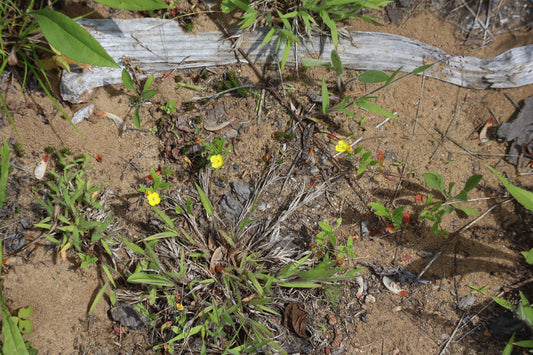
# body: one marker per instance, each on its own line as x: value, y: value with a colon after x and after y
x: 140, y: 94
x: 397, y: 217
x: 437, y: 209
x: 216, y: 152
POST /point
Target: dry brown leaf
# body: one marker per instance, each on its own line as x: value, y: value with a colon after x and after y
x: 294, y: 319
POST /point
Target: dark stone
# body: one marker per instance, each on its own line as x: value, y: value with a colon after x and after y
x: 127, y: 316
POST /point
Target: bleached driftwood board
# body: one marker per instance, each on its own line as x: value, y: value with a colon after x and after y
x: 157, y: 46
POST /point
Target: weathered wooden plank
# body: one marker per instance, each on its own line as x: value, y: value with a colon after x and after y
x: 157, y: 46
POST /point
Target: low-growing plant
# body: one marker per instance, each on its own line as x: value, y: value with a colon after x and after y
x: 169, y: 107
x: 288, y: 19
x: 140, y: 94
x: 231, y: 81
x: 524, y: 310
x: 70, y: 197
x: 397, y: 217
x: 216, y: 152
x: 224, y: 294
x: 450, y: 202
x: 328, y: 248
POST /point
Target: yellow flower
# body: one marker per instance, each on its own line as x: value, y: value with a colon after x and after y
x: 180, y: 307
x: 342, y: 147
x: 153, y: 198
x: 216, y: 161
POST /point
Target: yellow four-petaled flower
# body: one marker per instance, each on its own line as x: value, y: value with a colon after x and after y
x: 153, y: 198
x: 342, y: 147
x: 217, y: 161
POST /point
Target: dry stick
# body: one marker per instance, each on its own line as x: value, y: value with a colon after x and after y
x: 487, y: 22
x: 452, y: 335
x: 456, y: 234
x: 477, y: 19
x: 515, y: 104
x: 460, y: 146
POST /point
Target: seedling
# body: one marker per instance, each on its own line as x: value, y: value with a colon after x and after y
x: 481, y: 290
x: 140, y: 95
x: 169, y: 107
x: 436, y: 210
x: 398, y: 218
x: 216, y: 152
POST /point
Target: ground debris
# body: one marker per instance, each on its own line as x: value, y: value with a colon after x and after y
x: 520, y: 131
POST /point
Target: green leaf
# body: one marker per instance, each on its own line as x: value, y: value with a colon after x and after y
x: 309, y: 62
x: 148, y: 94
x: 25, y: 312
x: 97, y: 298
x: 509, y: 347
x: 422, y: 68
x: 528, y: 255
x: 299, y: 284
x: 325, y: 98
x: 127, y: 81
x: 25, y: 326
x: 71, y: 40
x: 524, y: 197
x: 337, y: 63
x: 108, y: 274
x: 380, y: 209
x: 149, y: 81
x: 132, y: 246
x: 373, y: 76
x: 524, y: 343
x: 376, y: 109
x: 136, y: 117
x: 135, y: 5
x: 504, y: 303
x: 205, y: 201
x: 140, y: 277
x: 434, y: 180
x: 332, y: 27
x: 471, y: 212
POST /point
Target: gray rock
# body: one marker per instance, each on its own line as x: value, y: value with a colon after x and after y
x: 242, y: 191
x: 127, y: 316
x: 230, y: 207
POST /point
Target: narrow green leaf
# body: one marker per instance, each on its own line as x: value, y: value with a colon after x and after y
x: 108, y: 274
x: 376, y: 109
x: 509, y: 347
x: 524, y: 343
x: 205, y: 201
x: 4, y: 170
x: 148, y: 94
x: 325, y: 98
x: 135, y: 5
x: 97, y: 298
x: 71, y: 40
x: 299, y: 284
x: 149, y: 81
x: 524, y: 197
x: 127, y: 80
x: 422, y: 68
x: 148, y: 279
x: 373, y: 76
x: 269, y: 36
x: 136, y: 117
x: 337, y: 63
x: 132, y: 246
x: 504, y: 303
x: 332, y: 27
x: 309, y: 62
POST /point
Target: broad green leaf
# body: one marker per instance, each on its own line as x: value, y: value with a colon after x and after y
x: 127, y: 81
x: 148, y: 279
x: 524, y: 197
x: 380, y: 209
x: 470, y: 184
x: 205, y: 201
x: 97, y: 298
x: 25, y: 326
x: 25, y: 312
x: 373, y: 76
x: 71, y: 40
x: 528, y: 255
x: 471, y: 212
x: 376, y: 109
x: 135, y: 5
x: 504, y: 303
x: 434, y: 180
x: 309, y: 62
x: 148, y: 94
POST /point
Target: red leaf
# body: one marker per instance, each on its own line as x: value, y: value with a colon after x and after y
x: 98, y: 158
x: 389, y: 229
x: 406, y: 218
x: 381, y: 158
x: 418, y: 198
